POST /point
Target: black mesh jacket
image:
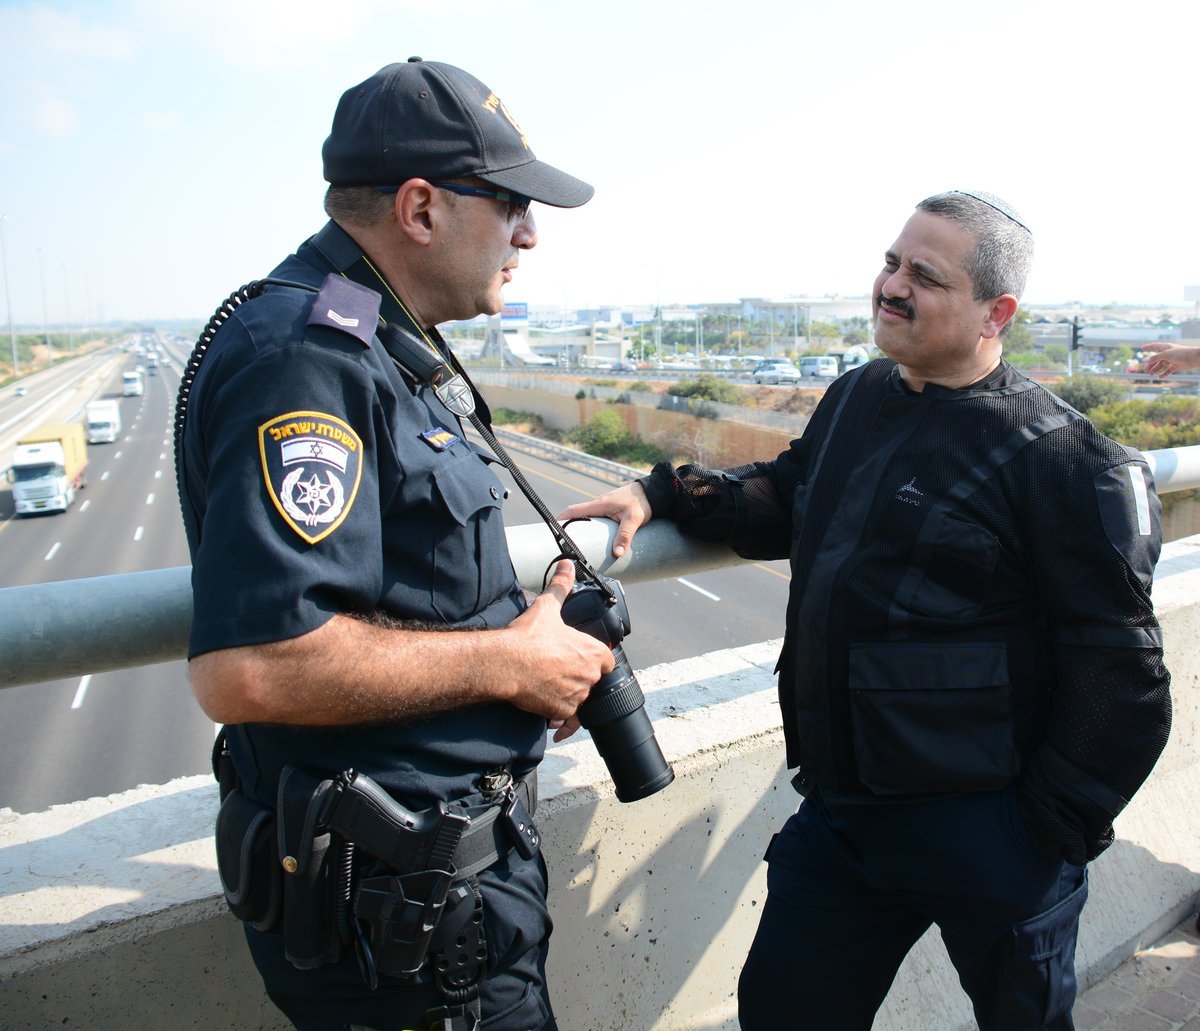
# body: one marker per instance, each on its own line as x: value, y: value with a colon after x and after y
x: 970, y: 601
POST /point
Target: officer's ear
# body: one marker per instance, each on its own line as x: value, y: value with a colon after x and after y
x: 1000, y: 311
x: 414, y: 209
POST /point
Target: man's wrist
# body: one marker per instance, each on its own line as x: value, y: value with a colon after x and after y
x: 661, y: 489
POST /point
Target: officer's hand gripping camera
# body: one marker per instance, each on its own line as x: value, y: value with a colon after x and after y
x: 615, y: 712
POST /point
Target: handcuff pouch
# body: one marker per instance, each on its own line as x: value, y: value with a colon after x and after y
x: 250, y: 875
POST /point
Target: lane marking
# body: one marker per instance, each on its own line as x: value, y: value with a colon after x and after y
x: 562, y: 483
x: 149, y: 499
x: 104, y: 476
x: 697, y: 589
x: 137, y: 534
x: 51, y: 553
x: 158, y: 474
x: 81, y: 690
x: 84, y: 506
x: 774, y: 572
x: 118, y: 454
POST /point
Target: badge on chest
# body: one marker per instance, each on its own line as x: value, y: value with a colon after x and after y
x: 439, y: 438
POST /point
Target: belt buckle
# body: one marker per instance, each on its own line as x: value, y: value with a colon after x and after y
x: 495, y: 784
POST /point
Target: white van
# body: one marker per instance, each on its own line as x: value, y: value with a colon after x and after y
x: 131, y: 384
x: 822, y: 365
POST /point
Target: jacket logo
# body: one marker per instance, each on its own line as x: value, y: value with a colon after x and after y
x: 909, y: 493
x: 312, y: 463
x: 341, y: 320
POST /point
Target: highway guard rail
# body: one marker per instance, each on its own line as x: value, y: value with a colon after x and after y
x: 73, y: 627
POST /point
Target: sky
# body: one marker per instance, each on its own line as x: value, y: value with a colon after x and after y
x: 155, y: 155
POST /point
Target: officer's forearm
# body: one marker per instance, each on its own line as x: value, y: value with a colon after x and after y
x: 349, y: 672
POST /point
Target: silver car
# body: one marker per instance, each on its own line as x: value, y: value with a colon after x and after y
x: 776, y: 372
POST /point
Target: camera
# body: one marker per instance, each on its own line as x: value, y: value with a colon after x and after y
x: 614, y: 712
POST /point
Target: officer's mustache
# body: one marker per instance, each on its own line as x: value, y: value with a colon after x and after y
x: 895, y: 304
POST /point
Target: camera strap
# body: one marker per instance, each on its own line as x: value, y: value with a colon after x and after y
x: 414, y: 352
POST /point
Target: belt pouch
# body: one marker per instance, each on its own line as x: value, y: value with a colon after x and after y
x: 310, y: 934
x: 250, y: 876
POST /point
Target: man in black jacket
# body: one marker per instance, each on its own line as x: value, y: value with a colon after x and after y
x: 971, y: 682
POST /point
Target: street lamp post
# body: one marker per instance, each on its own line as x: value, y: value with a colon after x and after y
x: 67, y: 312
x: 12, y: 337
x: 45, y: 326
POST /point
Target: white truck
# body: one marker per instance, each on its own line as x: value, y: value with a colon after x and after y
x: 48, y: 468
x: 131, y: 384
x: 103, y: 421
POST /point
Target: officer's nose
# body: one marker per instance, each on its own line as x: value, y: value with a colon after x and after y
x: 525, y: 231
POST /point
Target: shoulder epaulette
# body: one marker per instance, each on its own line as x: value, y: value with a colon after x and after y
x: 344, y: 305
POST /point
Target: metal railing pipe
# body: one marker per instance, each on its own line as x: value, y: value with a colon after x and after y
x: 74, y: 627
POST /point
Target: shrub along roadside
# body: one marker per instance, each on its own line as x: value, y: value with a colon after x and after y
x: 605, y: 435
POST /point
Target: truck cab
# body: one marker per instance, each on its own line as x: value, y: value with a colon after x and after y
x: 48, y: 469
x: 103, y: 420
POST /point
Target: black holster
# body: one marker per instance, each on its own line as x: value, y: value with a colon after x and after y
x: 339, y: 861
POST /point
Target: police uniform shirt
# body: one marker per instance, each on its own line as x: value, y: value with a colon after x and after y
x: 318, y: 480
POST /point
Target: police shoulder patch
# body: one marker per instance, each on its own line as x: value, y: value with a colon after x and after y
x: 312, y: 464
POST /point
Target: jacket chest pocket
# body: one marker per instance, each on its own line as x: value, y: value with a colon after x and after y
x: 469, y: 561
x: 932, y: 717
x: 954, y: 565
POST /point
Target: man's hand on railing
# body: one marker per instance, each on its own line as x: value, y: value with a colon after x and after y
x: 628, y: 506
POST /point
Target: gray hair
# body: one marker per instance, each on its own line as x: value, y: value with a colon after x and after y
x: 363, y: 205
x: 358, y: 205
x: 1004, y: 251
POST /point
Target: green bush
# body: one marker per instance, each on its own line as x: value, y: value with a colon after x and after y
x: 507, y: 416
x: 1084, y: 393
x: 1150, y: 425
x: 708, y: 387
x: 606, y: 436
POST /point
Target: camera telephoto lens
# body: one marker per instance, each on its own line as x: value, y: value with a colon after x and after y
x: 615, y: 715
x: 615, y: 711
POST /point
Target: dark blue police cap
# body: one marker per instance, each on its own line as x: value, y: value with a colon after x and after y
x: 427, y: 120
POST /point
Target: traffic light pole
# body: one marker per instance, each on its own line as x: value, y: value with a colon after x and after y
x: 1076, y: 343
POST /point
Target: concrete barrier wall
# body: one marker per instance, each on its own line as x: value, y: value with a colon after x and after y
x: 110, y: 915
x: 719, y: 443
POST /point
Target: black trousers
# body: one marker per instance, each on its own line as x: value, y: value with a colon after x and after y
x: 852, y: 887
x: 514, y: 994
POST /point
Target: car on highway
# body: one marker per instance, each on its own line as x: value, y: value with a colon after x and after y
x: 622, y: 366
x: 776, y: 372
x: 21, y: 391
x: 819, y: 365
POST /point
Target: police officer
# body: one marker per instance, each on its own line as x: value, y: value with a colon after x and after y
x: 971, y: 681
x: 356, y: 608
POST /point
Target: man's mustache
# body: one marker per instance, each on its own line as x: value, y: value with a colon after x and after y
x: 895, y: 304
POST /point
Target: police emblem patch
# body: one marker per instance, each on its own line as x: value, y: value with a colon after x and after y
x: 312, y: 463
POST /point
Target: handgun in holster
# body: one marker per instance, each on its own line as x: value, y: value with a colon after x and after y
x: 401, y: 908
